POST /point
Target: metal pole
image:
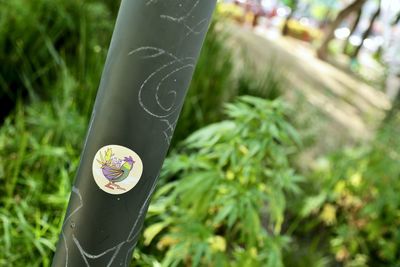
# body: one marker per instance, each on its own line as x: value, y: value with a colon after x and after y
x: 149, y: 66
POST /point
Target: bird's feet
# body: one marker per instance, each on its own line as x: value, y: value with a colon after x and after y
x: 109, y: 185
x: 119, y: 187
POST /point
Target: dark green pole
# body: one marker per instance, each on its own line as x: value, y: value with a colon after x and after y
x: 148, y: 69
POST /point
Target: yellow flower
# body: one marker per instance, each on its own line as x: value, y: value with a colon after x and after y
x: 356, y: 179
x: 230, y: 175
x: 253, y: 252
x: 328, y: 214
x: 342, y: 254
x: 218, y: 243
x: 340, y: 187
x: 262, y: 187
x: 166, y: 241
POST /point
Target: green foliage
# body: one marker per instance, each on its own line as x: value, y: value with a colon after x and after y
x: 291, y: 3
x: 38, y: 37
x: 304, y: 254
x: 59, y: 48
x: 43, y: 136
x: 358, y: 201
x: 226, y: 201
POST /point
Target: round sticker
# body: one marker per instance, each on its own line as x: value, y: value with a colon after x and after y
x: 116, y: 169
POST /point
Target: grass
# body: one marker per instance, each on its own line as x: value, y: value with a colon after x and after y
x: 40, y: 37
x: 40, y: 148
x: 60, y: 49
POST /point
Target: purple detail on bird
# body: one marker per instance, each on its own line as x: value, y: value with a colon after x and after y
x: 129, y: 160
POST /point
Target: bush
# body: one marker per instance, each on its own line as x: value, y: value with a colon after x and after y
x: 232, y: 11
x: 303, y: 32
x: 226, y: 201
x: 355, y: 197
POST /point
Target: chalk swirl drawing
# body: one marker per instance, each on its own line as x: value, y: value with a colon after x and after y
x: 159, y: 82
x: 166, y: 108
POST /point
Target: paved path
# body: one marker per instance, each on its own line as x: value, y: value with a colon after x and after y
x: 351, y: 109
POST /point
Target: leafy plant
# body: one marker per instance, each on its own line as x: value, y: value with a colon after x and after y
x: 226, y: 201
x: 358, y: 201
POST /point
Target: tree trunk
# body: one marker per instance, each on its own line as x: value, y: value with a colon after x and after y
x: 368, y: 31
x: 285, y: 29
x: 323, y: 50
x: 352, y: 30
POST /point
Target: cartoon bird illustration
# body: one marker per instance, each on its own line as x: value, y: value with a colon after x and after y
x: 115, y: 169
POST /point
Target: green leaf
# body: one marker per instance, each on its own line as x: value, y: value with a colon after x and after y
x: 151, y: 231
x: 313, y: 203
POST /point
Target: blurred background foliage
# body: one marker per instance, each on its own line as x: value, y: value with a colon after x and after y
x: 240, y: 187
